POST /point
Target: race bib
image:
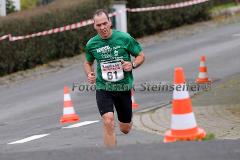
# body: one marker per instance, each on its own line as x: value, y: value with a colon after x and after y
x: 112, y: 72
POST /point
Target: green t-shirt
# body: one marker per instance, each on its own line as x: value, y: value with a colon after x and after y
x: 108, y: 53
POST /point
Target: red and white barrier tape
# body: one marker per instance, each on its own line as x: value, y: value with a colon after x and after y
x: 4, y: 37
x: 54, y: 30
x: 90, y: 21
x: 171, y: 6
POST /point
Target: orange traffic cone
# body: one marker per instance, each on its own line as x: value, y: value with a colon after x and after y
x: 183, y: 123
x: 202, y: 76
x: 69, y: 114
x: 134, y: 104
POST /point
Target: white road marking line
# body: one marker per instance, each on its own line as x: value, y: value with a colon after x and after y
x: 29, y: 139
x: 81, y: 124
x: 43, y: 135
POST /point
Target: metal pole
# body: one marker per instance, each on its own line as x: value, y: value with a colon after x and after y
x: 121, y: 17
x: 2, y: 7
x: 17, y: 5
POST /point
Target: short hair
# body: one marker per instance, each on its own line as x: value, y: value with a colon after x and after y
x: 101, y: 11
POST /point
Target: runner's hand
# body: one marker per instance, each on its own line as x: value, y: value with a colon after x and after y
x: 91, y: 78
x: 127, y: 66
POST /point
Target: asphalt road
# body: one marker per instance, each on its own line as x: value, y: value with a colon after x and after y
x: 32, y: 109
x: 212, y: 150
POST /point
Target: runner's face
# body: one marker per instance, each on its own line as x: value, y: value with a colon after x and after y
x: 103, y: 25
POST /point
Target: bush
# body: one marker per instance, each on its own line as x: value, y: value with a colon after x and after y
x: 24, y: 54
x: 27, y: 4
x: 155, y: 21
x: 9, y: 6
x: 44, y: 2
x: 217, y: 2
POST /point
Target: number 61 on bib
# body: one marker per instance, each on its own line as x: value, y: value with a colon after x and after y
x: 112, y: 72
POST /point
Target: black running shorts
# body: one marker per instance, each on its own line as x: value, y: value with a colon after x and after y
x: 120, y: 99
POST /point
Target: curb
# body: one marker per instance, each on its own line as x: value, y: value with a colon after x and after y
x: 214, y: 118
x: 227, y: 12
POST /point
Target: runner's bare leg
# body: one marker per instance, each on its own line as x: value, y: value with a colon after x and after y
x: 125, y: 127
x: 108, y: 130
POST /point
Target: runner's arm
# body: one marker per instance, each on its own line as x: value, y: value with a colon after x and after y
x: 139, y: 59
x: 88, y: 67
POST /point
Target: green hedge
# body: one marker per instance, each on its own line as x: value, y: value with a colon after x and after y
x: 28, y: 53
x: 217, y: 2
x: 27, y: 4
x: 145, y: 23
x: 24, y: 54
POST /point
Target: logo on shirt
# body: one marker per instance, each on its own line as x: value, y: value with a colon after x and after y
x: 105, y: 49
x: 115, y: 53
